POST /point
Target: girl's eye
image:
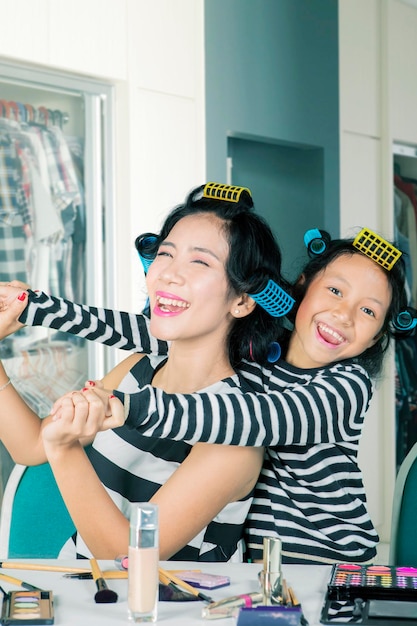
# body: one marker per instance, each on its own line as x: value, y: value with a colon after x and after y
x: 163, y: 253
x: 335, y: 290
x: 368, y: 311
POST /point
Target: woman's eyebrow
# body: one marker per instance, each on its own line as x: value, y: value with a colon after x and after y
x: 193, y: 248
x: 206, y: 251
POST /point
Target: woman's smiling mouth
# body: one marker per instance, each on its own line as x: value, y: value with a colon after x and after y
x: 170, y: 305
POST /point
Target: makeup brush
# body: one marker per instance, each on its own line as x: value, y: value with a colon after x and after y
x: 103, y: 593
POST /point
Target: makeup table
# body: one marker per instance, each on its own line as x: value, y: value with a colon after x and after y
x: 74, y: 599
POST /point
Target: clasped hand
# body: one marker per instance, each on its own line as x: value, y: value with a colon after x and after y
x: 80, y: 415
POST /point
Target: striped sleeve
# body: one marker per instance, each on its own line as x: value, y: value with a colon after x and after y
x: 118, y: 329
x: 330, y: 408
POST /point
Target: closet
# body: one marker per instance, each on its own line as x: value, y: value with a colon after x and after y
x: 405, y: 232
x: 56, y: 212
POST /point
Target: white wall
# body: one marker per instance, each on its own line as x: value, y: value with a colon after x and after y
x: 378, y: 104
x: 153, y: 53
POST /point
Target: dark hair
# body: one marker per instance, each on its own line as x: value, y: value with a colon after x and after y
x: 372, y: 358
x: 254, y: 258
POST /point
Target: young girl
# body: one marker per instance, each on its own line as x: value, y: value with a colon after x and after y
x: 308, y: 408
x: 198, y: 288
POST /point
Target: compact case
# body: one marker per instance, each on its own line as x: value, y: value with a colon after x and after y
x: 377, y: 595
x: 27, y: 607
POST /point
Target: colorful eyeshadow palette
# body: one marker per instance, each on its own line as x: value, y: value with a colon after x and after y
x: 349, y: 581
x: 27, y: 607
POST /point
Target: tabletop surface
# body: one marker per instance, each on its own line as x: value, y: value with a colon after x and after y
x: 74, y: 599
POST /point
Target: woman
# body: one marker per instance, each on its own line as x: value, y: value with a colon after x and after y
x: 198, y: 288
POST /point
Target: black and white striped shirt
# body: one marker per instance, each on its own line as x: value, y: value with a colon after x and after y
x: 132, y: 468
x: 310, y: 491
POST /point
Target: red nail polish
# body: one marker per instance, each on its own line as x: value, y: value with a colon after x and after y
x: 22, y: 296
x: 111, y: 397
x: 91, y: 383
x: 85, y: 389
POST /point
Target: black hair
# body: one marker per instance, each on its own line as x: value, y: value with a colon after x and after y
x: 372, y: 358
x: 254, y: 258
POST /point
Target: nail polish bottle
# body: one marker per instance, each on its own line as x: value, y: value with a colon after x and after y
x: 143, y: 579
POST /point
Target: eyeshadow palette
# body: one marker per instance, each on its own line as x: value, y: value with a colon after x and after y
x: 371, y: 594
x: 27, y: 607
x: 349, y: 581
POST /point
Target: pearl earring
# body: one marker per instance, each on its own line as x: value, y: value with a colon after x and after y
x: 237, y: 311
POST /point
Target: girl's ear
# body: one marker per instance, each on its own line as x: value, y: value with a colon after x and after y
x: 378, y: 337
x: 243, y: 306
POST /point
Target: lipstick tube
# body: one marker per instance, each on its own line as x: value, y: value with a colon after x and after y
x: 229, y: 607
x: 270, y: 576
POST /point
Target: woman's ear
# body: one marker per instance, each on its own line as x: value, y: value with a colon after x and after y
x: 243, y: 306
x: 301, y: 279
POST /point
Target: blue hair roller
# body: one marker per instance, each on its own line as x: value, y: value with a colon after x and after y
x: 146, y: 259
x: 316, y: 241
x: 274, y: 352
x: 273, y: 299
x: 406, y: 320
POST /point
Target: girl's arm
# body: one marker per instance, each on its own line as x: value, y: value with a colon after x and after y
x: 118, y: 329
x: 329, y: 409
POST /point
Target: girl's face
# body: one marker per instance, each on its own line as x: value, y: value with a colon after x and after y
x: 341, y: 313
x: 187, y: 284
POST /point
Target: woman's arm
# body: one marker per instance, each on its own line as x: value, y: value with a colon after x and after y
x: 20, y: 427
x: 208, y: 479
x: 101, y: 524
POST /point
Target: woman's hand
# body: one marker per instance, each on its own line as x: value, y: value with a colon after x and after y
x: 80, y: 415
x: 13, y: 301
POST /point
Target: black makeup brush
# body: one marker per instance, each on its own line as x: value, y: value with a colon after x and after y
x: 103, y: 593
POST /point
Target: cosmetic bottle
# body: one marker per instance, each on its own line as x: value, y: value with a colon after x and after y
x: 270, y: 576
x: 143, y: 579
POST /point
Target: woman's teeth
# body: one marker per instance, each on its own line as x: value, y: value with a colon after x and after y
x: 164, y: 303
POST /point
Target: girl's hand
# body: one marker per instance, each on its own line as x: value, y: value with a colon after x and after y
x: 13, y: 301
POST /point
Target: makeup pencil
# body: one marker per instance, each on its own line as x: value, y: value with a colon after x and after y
x: 107, y: 574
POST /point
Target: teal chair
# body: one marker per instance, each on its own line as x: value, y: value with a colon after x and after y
x: 403, y: 545
x: 34, y: 521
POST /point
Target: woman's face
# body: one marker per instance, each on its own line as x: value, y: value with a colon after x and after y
x: 190, y: 297
x: 342, y: 312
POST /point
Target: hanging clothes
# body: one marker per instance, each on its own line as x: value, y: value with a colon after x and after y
x: 41, y: 205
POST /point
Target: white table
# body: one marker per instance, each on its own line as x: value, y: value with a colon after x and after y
x: 75, y: 606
